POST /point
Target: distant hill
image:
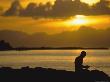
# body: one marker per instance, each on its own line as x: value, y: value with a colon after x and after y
x: 5, y: 45
x: 15, y: 38
x: 85, y: 37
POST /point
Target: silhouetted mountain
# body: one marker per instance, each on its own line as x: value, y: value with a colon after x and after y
x: 15, y: 38
x: 26, y: 74
x: 15, y: 9
x: 61, y: 8
x: 85, y: 37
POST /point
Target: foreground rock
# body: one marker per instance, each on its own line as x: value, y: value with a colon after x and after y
x: 27, y: 74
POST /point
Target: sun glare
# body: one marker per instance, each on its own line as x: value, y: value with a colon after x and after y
x: 90, y: 2
x: 78, y: 20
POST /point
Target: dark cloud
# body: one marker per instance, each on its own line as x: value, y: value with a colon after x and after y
x: 15, y: 9
x: 61, y: 8
x: 84, y: 37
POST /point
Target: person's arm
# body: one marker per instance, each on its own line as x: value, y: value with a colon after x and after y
x: 86, y: 67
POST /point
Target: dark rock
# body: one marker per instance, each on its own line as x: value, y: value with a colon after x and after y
x: 27, y: 74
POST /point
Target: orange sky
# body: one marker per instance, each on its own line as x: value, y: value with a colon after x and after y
x: 6, y: 3
x: 87, y: 1
x: 51, y: 26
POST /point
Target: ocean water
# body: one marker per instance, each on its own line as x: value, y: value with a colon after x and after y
x: 57, y: 59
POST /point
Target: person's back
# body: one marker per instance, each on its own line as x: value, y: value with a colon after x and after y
x: 79, y: 62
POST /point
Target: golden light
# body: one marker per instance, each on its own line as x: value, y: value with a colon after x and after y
x: 78, y: 20
x: 90, y: 2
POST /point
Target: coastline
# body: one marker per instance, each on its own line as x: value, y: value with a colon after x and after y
x: 62, y: 48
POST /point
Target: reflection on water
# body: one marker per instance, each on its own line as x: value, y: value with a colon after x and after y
x: 57, y: 59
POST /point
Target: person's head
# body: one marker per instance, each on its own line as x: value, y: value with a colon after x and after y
x: 83, y: 54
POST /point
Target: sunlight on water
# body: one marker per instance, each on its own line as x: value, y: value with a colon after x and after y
x: 57, y: 59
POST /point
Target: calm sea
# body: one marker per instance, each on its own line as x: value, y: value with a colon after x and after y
x: 57, y: 59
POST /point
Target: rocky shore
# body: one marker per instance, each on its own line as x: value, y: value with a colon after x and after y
x: 38, y: 74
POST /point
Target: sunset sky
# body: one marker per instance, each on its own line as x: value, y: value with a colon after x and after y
x: 66, y: 22
x: 30, y: 25
x: 6, y: 3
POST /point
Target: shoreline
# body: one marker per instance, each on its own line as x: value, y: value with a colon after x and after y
x: 25, y: 49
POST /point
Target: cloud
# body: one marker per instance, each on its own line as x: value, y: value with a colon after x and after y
x: 61, y: 8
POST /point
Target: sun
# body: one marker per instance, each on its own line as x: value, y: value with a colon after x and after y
x: 78, y: 20
x: 90, y: 2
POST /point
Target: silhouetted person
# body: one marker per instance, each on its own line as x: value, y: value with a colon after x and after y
x: 79, y: 67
